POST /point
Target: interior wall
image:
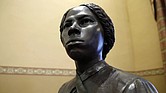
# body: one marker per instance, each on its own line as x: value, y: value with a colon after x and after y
x: 145, y: 38
x: 29, y: 33
x: 121, y: 56
x: 31, y: 83
x: 145, y: 41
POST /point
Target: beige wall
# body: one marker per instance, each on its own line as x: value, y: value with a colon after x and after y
x: 30, y: 33
x: 29, y: 36
x: 31, y: 84
x: 144, y: 32
x: 145, y: 40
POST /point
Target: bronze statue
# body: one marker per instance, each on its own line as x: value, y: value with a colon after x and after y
x: 87, y: 33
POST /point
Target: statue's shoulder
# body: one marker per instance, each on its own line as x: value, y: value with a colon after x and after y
x: 129, y: 83
x: 68, y: 86
x: 125, y: 77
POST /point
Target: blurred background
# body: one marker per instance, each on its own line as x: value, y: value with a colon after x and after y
x: 33, y: 60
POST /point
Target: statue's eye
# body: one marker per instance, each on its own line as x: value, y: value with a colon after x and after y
x: 67, y: 24
x: 85, y: 22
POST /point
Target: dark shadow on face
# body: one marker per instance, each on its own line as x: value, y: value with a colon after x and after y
x: 82, y: 34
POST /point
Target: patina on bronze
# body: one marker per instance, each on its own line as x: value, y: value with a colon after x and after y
x: 87, y: 33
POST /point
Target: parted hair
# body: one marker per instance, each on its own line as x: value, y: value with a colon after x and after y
x: 106, y: 22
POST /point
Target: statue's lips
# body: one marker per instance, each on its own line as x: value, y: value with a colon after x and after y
x: 73, y: 42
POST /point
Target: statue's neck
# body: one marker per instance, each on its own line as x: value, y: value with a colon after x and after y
x: 82, y: 66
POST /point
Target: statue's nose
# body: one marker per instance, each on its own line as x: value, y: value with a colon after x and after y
x: 74, y: 29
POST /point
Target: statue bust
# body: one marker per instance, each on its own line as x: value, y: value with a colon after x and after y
x: 87, y: 34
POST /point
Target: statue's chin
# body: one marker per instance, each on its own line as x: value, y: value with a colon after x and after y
x: 76, y: 55
x: 83, y: 53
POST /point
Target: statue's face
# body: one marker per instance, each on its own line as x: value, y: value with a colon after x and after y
x: 82, y: 35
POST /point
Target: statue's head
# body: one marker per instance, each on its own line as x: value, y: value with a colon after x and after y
x: 87, y: 32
